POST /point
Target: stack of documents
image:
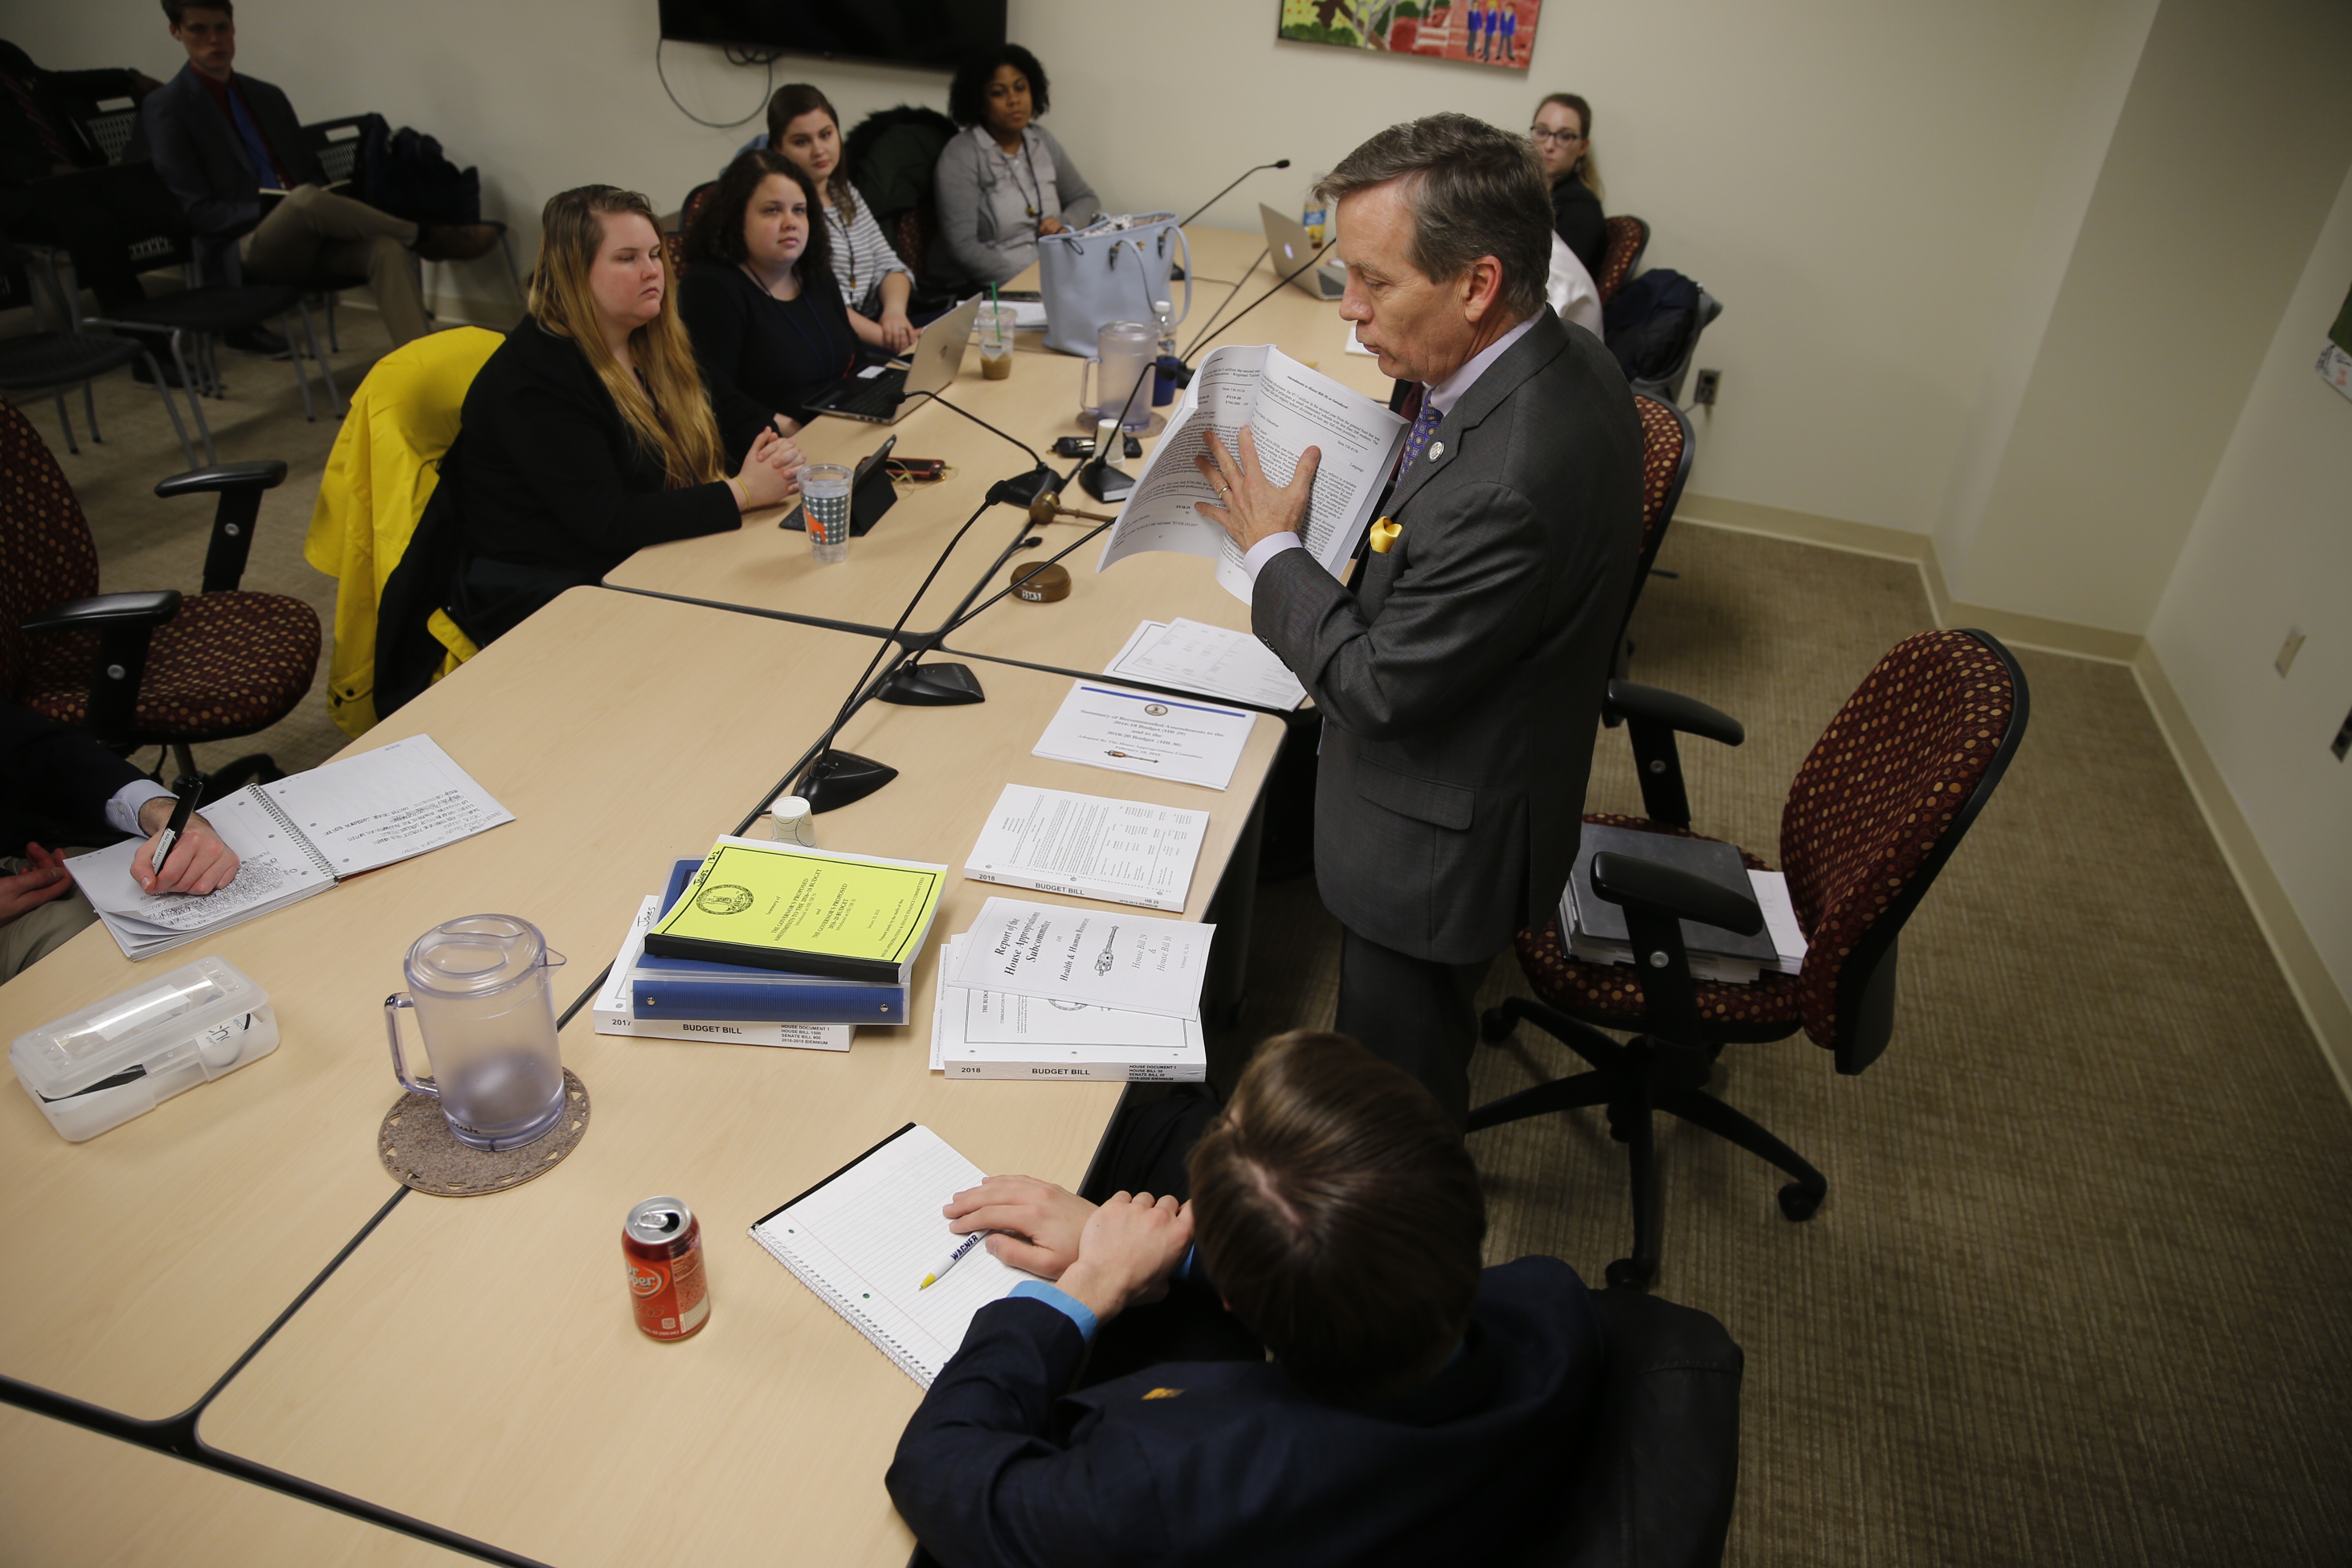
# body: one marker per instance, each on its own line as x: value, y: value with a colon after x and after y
x: 1043, y: 990
x: 1144, y: 732
x: 1596, y: 929
x: 1193, y: 656
x: 1121, y: 851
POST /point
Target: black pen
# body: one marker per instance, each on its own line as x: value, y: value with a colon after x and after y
x: 187, y: 790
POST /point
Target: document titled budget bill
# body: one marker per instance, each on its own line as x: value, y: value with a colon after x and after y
x: 1286, y: 408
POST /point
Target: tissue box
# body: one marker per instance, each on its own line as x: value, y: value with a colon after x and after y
x: 95, y: 1069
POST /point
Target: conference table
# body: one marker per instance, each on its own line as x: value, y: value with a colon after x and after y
x: 472, y: 1366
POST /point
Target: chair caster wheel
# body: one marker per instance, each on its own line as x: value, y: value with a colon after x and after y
x: 1496, y: 1025
x: 1631, y: 1274
x: 1797, y: 1203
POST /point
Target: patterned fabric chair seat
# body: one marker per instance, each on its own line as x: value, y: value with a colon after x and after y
x: 1628, y: 237
x: 1610, y: 996
x: 226, y: 665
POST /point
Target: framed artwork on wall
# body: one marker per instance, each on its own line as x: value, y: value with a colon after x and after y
x: 1500, y: 33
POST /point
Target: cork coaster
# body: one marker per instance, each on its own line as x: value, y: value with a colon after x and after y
x: 417, y: 1147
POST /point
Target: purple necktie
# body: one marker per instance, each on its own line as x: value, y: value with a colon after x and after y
x: 1424, y: 427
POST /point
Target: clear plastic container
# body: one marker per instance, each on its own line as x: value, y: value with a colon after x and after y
x: 95, y: 1069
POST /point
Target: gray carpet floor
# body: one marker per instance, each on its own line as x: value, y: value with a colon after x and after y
x: 2077, y: 1294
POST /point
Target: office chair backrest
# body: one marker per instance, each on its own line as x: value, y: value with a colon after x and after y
x: 44, y: 539
x: 1628, y: 237
x: 1666, y: 464
x: 113, y: 131
x: 336, y: 144
x: 116, y: 222
x: 1878, y: 807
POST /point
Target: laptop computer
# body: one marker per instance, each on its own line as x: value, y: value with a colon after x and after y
x: 1288, y: 248
x: 882, y: 394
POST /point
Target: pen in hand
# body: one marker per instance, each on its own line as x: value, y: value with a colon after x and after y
x: 939, y: 1269
x: 188, y: 790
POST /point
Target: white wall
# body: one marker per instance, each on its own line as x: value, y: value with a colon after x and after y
x: 2271, y: 548
x: 1847, y: 175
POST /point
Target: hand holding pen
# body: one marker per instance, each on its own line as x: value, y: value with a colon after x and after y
x: 184, y: 855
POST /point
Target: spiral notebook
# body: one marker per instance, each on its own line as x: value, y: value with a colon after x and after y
x: 295, y: 838
x: 864, y: 1237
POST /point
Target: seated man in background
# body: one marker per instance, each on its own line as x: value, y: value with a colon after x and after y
x: 60, y: 782
x: 220, y: 139
x: 1417, y: 1408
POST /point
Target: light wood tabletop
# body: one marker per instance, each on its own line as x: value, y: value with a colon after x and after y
x: 71, y: 1495
x: 621, y: 732
x: 476, y: 1363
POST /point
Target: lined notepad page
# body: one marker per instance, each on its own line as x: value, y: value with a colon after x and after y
x: 864, y: 1240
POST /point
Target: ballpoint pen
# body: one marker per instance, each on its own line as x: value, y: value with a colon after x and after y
x: 939, y: 1269
x: 187, y: 790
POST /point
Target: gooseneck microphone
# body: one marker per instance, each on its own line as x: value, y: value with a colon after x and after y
x: 1213, y: 201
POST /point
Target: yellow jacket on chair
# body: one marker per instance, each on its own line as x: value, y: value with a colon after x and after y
x: 382, y: 472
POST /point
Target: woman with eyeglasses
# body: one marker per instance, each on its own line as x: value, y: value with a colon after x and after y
x: 1005, y: 181
x: 1563, y: 137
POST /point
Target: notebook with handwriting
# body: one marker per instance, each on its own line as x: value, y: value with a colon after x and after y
x: 864, y: 1237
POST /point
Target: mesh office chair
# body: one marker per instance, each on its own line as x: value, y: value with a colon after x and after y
x: 1877, y: 809
x: 121, y: 221
x: 42, y: 361
x: 144, y: 668
x: 1628, y: 237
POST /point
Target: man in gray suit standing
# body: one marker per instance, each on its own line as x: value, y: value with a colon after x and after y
x: 1461, y: 678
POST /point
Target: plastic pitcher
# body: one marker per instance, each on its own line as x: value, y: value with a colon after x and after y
x: 479, y: 988
x: 1124, y: 351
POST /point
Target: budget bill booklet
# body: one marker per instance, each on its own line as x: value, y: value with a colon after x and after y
x: 803, y: 911
x: 1286, y: 407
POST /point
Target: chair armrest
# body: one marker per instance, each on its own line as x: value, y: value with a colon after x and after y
x: 124, y: 624
x: 144, y: 609
x: 239, y: 487
x: 229, y: 477
x: 1652, y: 714
x: 1632, y: 700
x: 1633, y: 883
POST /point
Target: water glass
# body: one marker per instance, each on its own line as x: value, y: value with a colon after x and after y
x: 825, y: 500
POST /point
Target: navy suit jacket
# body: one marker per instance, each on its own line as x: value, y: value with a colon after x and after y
x: 199, y: 155
x: 55, y: 782
x: 1230, y: 1463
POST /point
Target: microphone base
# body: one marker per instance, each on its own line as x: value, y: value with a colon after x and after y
x: 933, y: 685
x: 1024, y: 489
x: 843, y: 778
x: 1106, y: 482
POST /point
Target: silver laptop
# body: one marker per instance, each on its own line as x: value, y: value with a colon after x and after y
x: 884, y: 395
x: 1289, y: 246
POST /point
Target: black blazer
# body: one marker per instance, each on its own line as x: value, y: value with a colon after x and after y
x: 764, y: 356
x: 1461, y: 680
x: 200, y: 156
x: 1228, y: 1462
x: 547, y: 487
x: 55, y: 782
x: 1576, y: 218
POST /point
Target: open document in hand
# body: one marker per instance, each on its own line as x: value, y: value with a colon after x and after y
x: 1287, y: 408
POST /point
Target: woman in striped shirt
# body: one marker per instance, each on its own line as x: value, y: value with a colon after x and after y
x: 875, y: 283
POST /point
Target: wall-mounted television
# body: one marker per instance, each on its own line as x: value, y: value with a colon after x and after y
x: 934, y: 34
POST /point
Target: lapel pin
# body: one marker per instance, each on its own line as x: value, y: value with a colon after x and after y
x: 1437, y: 449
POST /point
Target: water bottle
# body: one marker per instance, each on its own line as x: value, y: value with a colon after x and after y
x: 1163, y: 382
x: 1314, y: 214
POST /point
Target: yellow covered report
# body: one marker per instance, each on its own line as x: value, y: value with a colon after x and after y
x: 805, y: 912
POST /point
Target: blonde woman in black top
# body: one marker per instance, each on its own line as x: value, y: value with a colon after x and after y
x: 1562, y: 132
x: 588, y: 434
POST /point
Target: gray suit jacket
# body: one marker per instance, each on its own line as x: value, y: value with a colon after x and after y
x: 200, y: 156
x: 1461, y: 683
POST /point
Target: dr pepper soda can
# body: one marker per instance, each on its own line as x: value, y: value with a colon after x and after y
x: 661, y: 1242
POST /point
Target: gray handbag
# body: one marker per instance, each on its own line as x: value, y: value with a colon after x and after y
x: 1113, y: 269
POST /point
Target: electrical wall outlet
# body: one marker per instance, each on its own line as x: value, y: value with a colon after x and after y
x: 1702, y: 393
x: 2288, y: 649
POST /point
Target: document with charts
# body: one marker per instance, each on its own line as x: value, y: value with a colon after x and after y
x: 1287, y: 408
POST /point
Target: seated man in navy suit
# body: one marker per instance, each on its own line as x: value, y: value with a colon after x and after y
x: 1415, y: 1408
